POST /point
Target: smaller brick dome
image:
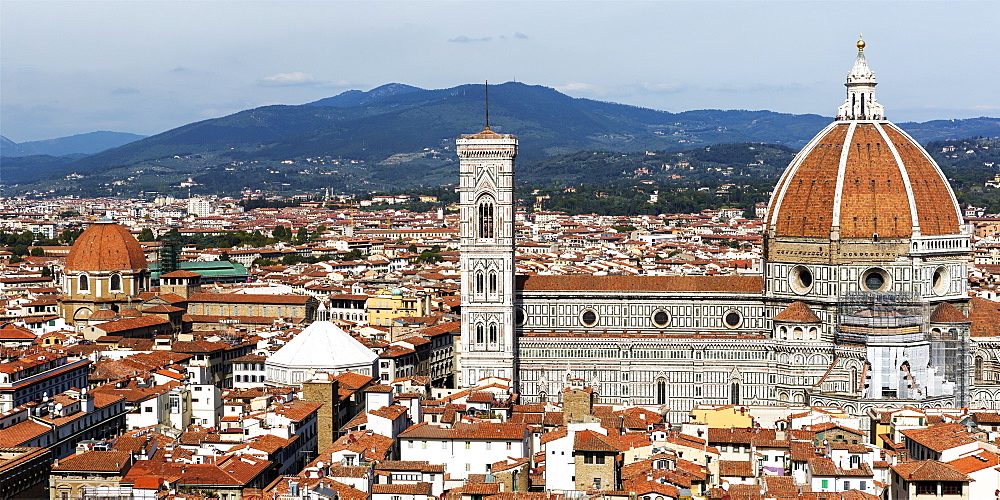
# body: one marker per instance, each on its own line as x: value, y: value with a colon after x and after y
x: 106, y: 246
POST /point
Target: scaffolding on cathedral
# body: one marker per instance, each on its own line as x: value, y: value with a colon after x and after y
x: 863, y: 317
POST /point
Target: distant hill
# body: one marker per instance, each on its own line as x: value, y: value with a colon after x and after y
x: 399, y: 136
x: 18, y: 169
x: 89, y: 143
x: 359, y: 98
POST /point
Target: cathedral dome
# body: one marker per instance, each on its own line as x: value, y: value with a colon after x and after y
x: 862, y: 178
x: 106, y: 246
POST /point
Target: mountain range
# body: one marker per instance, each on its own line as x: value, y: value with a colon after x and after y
x: 80, y: 144
x: 397, y: 136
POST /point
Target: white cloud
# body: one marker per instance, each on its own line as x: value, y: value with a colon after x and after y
x: 287, y: 79
x: 465, y: 39
x: 581, y: 88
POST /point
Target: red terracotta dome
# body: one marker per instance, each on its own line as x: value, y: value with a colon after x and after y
x: 862, y: 177
x: 106, y: 246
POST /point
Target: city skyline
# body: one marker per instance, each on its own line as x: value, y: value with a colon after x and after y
x: 76, y: 67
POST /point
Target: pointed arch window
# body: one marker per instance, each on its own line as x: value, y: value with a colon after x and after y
x: 734, y: 393
x: 493, y: 333
x: 661, y: 391
x: 479, y: 334
x: 486, y: 224
x: 493, y: 282
x: 116, y: 283
x: 84, y: 283
x: 978, y: 371
x: 479, y: 282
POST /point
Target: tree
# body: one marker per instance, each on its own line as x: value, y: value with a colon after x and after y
x: 224, y: 256
x: 146, y: 235
x: 429, y: 256
x: 412, y: 248
x: 173, y: 235
x: 19, y: 250
x: 46, y: 271
x: 69, y: 236
x: 38, y: 252
x: 353, y: 255
x: 302, y: 235
x: 291, y: 259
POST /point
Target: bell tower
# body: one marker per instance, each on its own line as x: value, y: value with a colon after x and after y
x: 486, y: 167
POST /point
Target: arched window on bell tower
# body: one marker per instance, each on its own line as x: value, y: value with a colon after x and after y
x: 493, y: 282
x: 661, y: 391
x: 734, y: 394
x: 493, y: 333
x: 479, y: 333
x: 486, y: 225
x: 479, y: 282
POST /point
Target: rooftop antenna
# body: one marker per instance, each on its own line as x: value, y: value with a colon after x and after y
x: 487, y: 104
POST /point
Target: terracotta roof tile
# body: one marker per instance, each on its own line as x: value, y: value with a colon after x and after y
x: 409, y: 465
x: 246, y: 298
x: 106, y: 247
x: 985, y: 317
x: 940, y: 437
x: 734, y: 468
x: 22, y: 432
x: 982, y: 459
x: 593, y: 441
x: 96, y: 461
x: 928, y: 470
x: 797, y: 312
x: 423, y: 489
x: 124, y: 325
x: 477, y: 430
x: 947, y: 313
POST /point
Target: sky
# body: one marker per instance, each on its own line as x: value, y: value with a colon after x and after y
x: 148, y: 66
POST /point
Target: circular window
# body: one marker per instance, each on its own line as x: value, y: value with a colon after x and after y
x: 589, y: 317
x: 941, y: 280
x: 519, y: 316
x: 661, y: 318
x: 875, y: 280
x: 801, y: 279
x: 732, y: 318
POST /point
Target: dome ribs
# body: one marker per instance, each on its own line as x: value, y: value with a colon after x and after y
x: 106, y: 247
x: 935, y: 208
x: 807, y: 206
x: 874, y: 187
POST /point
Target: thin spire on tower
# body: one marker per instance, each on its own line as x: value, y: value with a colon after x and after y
x: 487, y: 104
